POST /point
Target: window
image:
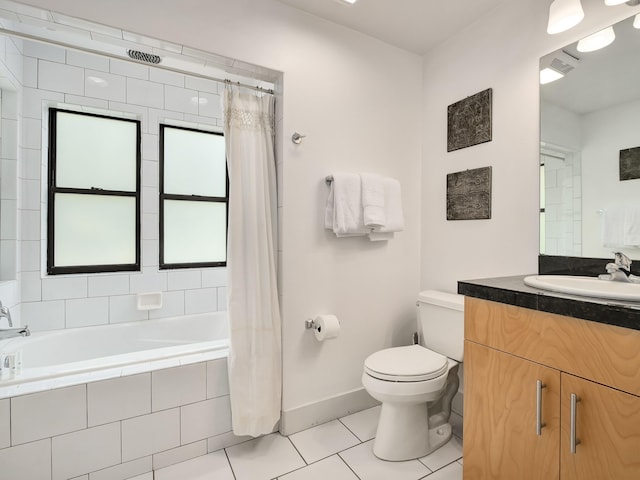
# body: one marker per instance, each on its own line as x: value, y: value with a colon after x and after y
x: 193, y: 198
x: 94, y: 193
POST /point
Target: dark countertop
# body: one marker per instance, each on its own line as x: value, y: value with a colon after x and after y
x: 513, y: 291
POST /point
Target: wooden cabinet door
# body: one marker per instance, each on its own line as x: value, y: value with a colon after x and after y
x: 607, y: 426
x: 500, y: 407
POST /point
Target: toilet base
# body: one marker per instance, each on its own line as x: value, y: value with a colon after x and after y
x: 404, y: 434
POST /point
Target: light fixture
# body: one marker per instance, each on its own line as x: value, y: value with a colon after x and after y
x: 548, y: 75
x: 611, y: 3
x: 636, y: 21
x: 597, y: 41
x: 351, y: 2
x: 556, y: 65
x: 564, y: 14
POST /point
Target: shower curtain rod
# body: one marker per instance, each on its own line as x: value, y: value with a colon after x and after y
x: 116, y: 57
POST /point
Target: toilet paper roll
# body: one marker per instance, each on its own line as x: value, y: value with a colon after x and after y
x: 326, y: 327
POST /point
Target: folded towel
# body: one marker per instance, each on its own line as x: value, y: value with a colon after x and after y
x: 380, y: 236
x: 343, y: 213
x: 373, y: 200
x: 631, y: 226
x: 394, y: 217
x: 613, y: 226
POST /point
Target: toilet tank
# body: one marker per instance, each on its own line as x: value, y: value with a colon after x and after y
x: 441, y: 322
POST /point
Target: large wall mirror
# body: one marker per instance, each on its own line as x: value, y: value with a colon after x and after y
x: 590, y: 148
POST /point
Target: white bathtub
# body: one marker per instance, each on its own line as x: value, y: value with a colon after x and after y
x: 80, y: 355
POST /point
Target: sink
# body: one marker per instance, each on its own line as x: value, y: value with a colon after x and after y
x: 586, y: 286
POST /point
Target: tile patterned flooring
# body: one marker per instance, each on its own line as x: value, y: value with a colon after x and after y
x: 337, y: 450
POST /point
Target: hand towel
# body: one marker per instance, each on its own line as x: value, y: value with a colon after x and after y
x: 394, y: 217
x: 343, y: 213
x: 613, y: 226
x: 373, y: 200
x: 631, y: 226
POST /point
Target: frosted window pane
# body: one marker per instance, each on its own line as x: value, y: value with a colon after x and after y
x: 96, y: 152
x: 194, y: 163
x: 94, y: 230
x: 195, y: 232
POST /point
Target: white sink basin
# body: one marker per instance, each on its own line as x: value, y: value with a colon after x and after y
x: 586, y: 286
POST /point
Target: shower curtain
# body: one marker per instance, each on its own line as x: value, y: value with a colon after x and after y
x: 255, y: 359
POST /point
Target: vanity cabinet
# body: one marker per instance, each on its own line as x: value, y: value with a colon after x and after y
x: 523, y: 371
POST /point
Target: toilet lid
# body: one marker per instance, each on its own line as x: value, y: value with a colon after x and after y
x: 413, y: 363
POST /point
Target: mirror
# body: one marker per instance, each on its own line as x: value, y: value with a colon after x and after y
x: 589, y: 155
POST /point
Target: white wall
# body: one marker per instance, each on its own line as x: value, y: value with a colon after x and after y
x: 500, y: 51
x: 358, y: 101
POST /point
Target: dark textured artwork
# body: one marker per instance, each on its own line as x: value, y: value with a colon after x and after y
x: 630, y: 163
x: 469, y: 121
x: 469, y: 194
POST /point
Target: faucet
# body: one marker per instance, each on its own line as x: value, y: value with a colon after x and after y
x: 5, y: 313
x: 11, y: 332
x: 619, y: 270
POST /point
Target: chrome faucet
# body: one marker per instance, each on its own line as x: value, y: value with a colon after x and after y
x: 5, y: 313
x: 11, y: 332
x: 619, y: 270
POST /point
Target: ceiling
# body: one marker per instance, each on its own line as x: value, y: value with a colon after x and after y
x: 413, y: 25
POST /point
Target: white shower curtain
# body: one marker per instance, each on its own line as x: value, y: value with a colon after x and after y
x: 255, y: 359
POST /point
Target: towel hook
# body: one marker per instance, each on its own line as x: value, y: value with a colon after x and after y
x: 297, y: 138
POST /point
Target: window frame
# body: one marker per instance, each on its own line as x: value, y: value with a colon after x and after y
x: 53, y: 189
x: 162, y: 265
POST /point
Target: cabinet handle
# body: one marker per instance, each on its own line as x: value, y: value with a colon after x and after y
x: 573, y: 441
x: 539, y: 422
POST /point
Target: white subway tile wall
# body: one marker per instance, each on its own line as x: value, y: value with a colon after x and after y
x: 108, y: 429
x: 124, y: 427
x: 47, y: 75
x: 5, y: 423
x: 118, y: 398
x: 47, y: 414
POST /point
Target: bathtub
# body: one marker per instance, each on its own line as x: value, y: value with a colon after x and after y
x: 80, y: 355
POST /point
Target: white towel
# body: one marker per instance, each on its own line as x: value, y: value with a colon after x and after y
x: 343, y: 213
x: 631, y: 226
x: 373, y: 200
x: 613, y: 226
x: 394, y: 217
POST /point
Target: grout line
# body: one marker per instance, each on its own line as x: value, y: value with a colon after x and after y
x: 348, y: 466
x: 229, y: 462
x: 298, y: 451
x: 351, y: 431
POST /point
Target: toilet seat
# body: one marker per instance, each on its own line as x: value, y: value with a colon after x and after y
x: 412, y: 363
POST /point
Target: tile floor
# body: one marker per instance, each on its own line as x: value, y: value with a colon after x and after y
x: 337, y: 450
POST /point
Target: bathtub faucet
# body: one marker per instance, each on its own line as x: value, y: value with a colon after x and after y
x: 4, y: 312
x: 11, y: 332
x: 14, y: 332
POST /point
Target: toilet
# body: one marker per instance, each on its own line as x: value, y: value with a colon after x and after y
x: 416, y: 384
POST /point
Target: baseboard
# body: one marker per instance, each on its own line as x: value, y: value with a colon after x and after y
x: 322, y: 411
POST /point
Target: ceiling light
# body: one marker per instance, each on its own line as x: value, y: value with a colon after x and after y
x: 564, y: 14
x: 636, y: 21
x: 611, y: 3
x: 548, y: 75
x: 597, y: 41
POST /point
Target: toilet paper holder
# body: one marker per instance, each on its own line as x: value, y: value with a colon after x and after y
x: 309, y: 323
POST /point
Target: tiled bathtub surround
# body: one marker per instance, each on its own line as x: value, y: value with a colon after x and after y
x: 118, y: 428
x: 44, y: 76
